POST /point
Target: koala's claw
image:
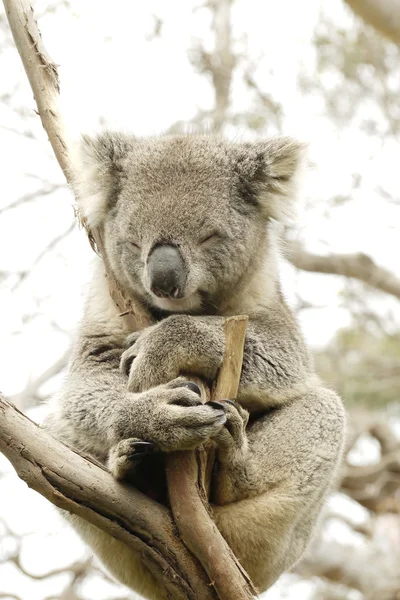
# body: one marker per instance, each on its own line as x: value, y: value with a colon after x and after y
x: 125, y: 455
x: 186, y: 401
x: 233, y: 436
x: 216, y: 404
x: 132, y: 339
x: 126, y: 361
x: 192, y: 386
x: 140, y: 449
x: 231, y: 402
x: 184, y: 398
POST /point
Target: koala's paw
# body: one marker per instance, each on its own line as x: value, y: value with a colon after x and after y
x: 126, y: 455
x: 232, y: 437
x: 173, y: 417
x: 146, y: 363
x: 177, y: 344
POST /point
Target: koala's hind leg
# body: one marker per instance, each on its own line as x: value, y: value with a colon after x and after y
x: 272, y: 479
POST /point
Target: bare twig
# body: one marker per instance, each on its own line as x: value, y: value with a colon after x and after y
x: 189, y: 502
x: 50, y: 246
x: 42, y: 75
x: 220, y: 63
x: 28, y: 395
x: 32, y: 196
x: 229, y: 374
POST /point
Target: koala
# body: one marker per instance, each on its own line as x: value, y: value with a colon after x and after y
x: 189, y: 225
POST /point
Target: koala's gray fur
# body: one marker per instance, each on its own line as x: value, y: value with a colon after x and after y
x: 215, y: 202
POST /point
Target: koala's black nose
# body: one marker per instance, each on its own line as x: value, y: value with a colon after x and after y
x: 167, y: 271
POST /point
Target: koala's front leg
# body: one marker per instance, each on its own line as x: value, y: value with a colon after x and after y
x: 96, y: 412
x: 171, y: 416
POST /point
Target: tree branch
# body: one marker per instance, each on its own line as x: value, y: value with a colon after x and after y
x: 85, y: 488
x: 23, y: 275
x: 383, y: 15
x: 358, y: 266
x: 220, y: 63
x: 188, y: 497
x: 42, y: 75
x: 32, y: 196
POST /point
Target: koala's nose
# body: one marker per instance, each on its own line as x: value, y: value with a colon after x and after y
x: 167, y: 271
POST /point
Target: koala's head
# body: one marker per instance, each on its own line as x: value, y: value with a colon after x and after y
x: 185, y: 218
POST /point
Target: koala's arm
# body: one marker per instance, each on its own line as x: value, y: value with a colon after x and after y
x: 95, y: 411
x: 276, y: 363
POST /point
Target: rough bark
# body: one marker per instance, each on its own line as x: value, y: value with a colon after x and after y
x: 358, y: 266
x: 383, y: 15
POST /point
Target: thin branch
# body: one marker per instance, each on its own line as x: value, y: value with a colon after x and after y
x: 23, y: 399
x: 42, y: 75
x: 77, y: 568
x: 189, y: 501
x: 220, y: 63
x: 357, y: 266
x: 50, y: 246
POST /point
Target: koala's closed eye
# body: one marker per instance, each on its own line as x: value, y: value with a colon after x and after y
x: 129, y: 244
x: 212, y: 236
x: 134, y: 245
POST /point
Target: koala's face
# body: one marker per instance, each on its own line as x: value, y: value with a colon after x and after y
x: 185, y: 218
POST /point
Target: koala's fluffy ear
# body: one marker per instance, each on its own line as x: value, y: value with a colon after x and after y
x: 270, y: 172
x: 98, y: 163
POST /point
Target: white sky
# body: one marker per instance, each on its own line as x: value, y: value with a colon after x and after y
x: 111, y: 72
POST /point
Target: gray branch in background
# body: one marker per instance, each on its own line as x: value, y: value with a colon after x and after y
x: 220, y: 63
x: 357, y: 266
x: 29, y: 395
x: 49, y: 247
